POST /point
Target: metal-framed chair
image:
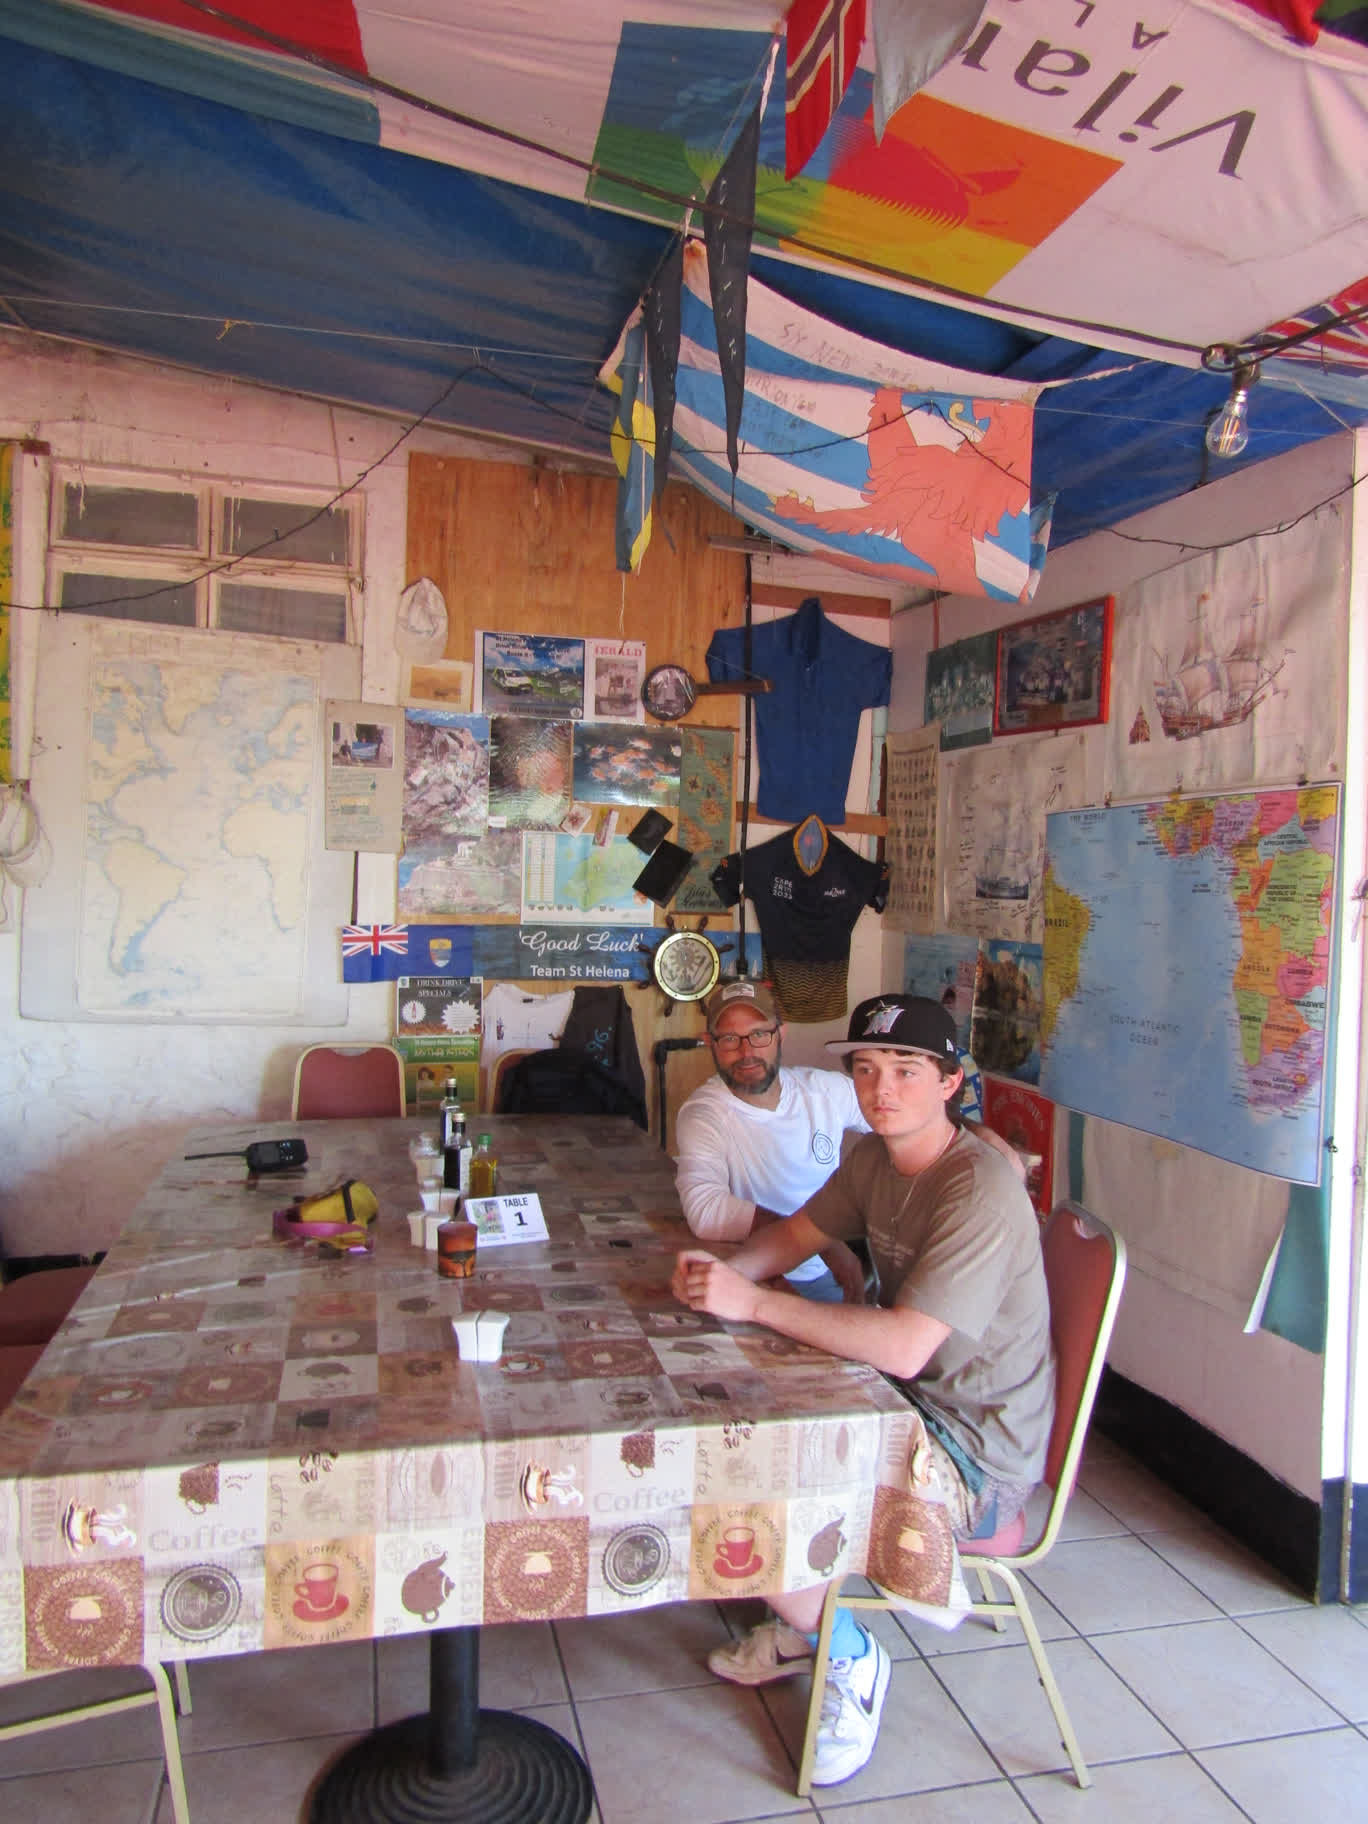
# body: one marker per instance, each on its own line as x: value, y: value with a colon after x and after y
x: 334, y: 1082
x: 1085, y: 1269
x: 15, y: 1364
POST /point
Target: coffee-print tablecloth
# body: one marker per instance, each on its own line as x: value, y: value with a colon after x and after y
x: 236, y: 1442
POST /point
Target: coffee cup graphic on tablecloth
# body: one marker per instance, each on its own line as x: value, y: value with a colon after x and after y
x: 318, y: 1594
x: 85, y: 1608
x: 537, y: 1564
x: 85, y: 1526
x: 736, y: 1553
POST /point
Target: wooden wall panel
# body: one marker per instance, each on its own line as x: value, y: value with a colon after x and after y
x: 530, y: 549
x: 523, y: 549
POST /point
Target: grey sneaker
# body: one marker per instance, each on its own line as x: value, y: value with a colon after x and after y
x: 772, y: 1650
x: 849, y: 1724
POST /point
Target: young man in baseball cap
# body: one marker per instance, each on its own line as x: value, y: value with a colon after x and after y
x: 962, y: 1326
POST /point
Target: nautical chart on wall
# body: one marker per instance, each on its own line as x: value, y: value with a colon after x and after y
x: 181, y: 776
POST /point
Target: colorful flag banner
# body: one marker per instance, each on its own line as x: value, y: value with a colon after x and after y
x: 525, y: 953
x: 883, y: 463
x: 6, y: 581
x: 1332, y: 365
x: 822, y: 40
x: 633, y: 441
x: 374, y: 940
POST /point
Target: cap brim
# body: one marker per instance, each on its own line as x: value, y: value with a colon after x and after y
x: 840, y: 1048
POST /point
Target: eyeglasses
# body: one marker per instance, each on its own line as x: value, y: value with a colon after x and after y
x: 759, y: 1038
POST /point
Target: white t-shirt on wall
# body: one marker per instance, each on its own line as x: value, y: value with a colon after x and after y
x: 513, y: 1020
x: 733, y: 1156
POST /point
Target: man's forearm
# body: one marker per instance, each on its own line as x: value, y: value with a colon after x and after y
x: 774, y: 1249
x: 886, y: 1340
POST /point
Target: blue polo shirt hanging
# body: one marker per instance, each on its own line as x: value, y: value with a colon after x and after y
x: 806, y: 726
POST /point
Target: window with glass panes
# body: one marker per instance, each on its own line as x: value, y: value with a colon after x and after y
x: 203, y: 554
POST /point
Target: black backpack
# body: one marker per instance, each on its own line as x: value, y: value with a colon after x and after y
x: 565, y: 1081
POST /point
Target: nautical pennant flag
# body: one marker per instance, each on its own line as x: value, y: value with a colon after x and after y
x: 660, y: 312
x: 822, y: 40
x: 373, y: 940
x: 633, y: 441
x: 876, y: 460
x: 912, y: 40
x: 727, y: 237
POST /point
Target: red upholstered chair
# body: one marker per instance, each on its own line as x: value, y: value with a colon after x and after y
x: 33, y: 1307
x: 1085, y: 1269
x: 16, y: 1362
x: 334, y: 1082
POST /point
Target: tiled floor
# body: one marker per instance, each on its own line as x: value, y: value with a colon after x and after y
x: 1202, y: 1689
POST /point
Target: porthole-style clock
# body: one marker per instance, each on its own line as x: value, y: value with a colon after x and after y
x: 686, y: 965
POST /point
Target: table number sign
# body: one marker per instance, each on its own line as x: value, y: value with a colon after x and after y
x: 504, y: 1220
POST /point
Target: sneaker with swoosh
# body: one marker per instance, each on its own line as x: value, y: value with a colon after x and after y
x: 772, y: 1650
x: 851, y: 1706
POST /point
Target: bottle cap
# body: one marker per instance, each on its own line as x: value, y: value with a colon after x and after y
x: 486, y: 1139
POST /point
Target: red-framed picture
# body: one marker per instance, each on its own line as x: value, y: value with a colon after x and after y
x: 1055, y: 671
x: 1025, y: 1119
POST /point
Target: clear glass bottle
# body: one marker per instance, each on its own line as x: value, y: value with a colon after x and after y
x: 451, y: 1113
x: 484, y: 1169
x: 454, y: 1141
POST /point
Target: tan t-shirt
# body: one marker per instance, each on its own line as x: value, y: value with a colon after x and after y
x: 959, y: 1242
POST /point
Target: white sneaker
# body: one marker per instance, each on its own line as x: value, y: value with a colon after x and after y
x: 849, y: 1724
x: 772, y: 1650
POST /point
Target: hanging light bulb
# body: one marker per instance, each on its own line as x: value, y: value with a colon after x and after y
x: 1228, y: 432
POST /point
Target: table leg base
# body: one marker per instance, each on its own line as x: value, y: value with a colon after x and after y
x: 523, y: 1771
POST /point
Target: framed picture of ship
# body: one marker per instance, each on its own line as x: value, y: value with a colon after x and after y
x: 1055, y: 671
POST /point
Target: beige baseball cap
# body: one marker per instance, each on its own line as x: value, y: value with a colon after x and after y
x: 743, y: 993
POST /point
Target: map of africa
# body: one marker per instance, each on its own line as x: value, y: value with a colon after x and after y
x: 1187, y: 949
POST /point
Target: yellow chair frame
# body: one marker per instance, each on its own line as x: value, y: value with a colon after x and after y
x: 1071, y: 1235
x: 169, y: 1705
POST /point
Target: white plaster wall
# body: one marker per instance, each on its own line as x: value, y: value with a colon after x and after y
x: 1280, y: 1404
x: 89, y: 1113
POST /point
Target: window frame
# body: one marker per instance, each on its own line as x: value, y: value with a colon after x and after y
x: 178, y: 565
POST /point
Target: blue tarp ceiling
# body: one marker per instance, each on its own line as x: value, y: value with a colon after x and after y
x: 179, y: 228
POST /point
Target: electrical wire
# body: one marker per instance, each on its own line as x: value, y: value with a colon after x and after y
x: 1229, y: 544
x: 231, y: 563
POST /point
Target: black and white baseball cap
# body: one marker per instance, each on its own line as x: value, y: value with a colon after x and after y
x: 899, y: 1022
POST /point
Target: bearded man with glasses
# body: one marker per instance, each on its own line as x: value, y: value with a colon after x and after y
x: 758, y: 1140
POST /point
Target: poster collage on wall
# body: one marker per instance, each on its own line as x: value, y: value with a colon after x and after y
x: 512, y: 790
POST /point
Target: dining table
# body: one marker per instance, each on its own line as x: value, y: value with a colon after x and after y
x: 242, y: 1439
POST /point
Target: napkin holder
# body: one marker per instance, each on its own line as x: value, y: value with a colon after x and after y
x: 479, y: 1335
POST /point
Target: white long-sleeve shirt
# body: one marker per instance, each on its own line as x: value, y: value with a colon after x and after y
x: 734, y: 1157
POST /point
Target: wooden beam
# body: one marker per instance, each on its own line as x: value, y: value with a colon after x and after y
x: 868, y: 607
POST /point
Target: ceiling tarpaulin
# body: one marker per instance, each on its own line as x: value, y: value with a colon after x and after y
x: 899, y: 468
x: 1178, y: 179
